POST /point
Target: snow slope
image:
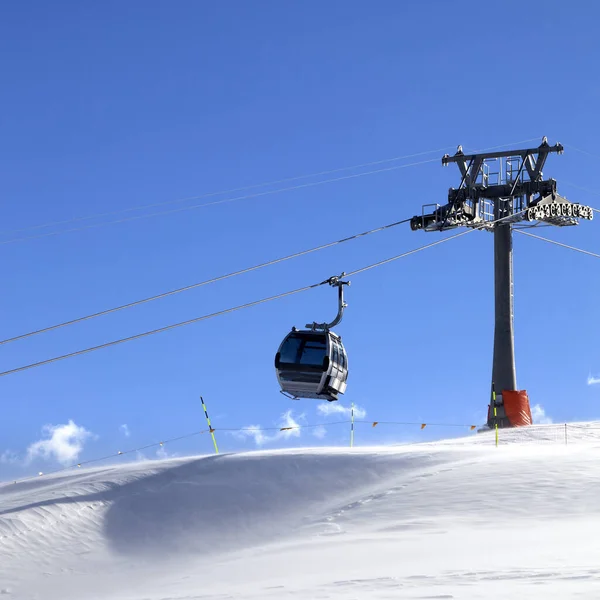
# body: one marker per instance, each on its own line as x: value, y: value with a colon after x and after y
x: 455, y: 519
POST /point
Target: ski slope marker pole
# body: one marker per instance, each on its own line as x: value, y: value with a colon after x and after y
x: 210, y: 427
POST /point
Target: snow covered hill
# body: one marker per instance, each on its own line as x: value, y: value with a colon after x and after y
x: 455, y: 519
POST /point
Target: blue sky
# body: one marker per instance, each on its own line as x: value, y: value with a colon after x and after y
x: 115, y: 105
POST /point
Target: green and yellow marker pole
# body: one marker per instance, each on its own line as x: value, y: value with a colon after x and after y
x: 352, y: 425
x: 495, y: 411
x: 210, y: 427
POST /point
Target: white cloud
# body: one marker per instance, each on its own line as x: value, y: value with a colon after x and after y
x: 63, y: 443
x: 538, y: 415
x: 591, y: 380
x: 124, y: 429
x: 319, y: 432
x: 8, y: 457
x: 335, y: 408
x: 290, y: 426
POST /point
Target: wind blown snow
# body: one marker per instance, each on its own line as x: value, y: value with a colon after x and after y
x: 288, y: 427
x: 455, y: 519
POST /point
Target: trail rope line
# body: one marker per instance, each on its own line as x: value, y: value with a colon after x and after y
x: 202, y: 283
x: 286, y: 428
x: 531, y: 431
x: 230, y: 191
x: 119, y: 453
x: 241, y: 306
x: 422, y: 425
x: 539, y: 237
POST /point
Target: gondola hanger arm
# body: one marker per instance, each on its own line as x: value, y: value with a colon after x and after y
x: 334, y: 281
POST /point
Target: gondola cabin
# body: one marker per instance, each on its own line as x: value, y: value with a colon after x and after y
x: 312, y: 364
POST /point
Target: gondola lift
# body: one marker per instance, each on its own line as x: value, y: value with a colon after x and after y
x: 312, y: 363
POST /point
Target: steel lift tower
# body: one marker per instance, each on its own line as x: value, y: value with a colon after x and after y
x: 499, y: 191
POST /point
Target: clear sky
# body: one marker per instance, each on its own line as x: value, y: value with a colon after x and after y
x: 113, y: 105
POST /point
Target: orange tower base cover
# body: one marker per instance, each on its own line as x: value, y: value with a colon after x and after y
x: 516, y: 407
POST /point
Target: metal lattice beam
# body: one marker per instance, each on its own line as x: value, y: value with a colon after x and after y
x: 519, y: 193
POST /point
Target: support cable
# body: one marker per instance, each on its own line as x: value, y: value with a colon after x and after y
x: 223, y: 192
x: 242, y: 306
x: 583, y: 189
x: 393, y: 258
x: 581, y: 151
x: 221, y: 312
x: 159, y: 330
x: 225, y: 200
x: 222, y: 201
x: 201, y: 283
x: 539, y: 237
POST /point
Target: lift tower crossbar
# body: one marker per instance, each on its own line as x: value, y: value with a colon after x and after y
x: 499, y: 191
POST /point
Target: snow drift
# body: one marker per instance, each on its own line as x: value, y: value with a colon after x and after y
x: 455, y: 519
